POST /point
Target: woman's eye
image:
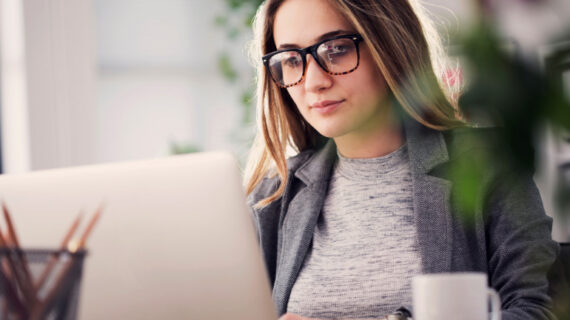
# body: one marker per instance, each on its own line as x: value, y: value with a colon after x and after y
x: 337, y: 50
x: 292, y: 62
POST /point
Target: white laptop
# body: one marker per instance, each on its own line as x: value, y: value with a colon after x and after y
x: 175, y: 240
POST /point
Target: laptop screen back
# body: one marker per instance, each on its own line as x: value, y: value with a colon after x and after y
x: 175, y: 240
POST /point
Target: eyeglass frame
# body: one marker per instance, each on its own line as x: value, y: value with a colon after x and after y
x: 356, y: 38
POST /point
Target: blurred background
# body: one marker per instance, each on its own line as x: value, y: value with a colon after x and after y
x: 91, y: 81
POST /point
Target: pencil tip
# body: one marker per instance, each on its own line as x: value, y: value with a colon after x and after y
x: 100, y: 209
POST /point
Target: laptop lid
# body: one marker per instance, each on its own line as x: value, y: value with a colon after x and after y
x: 175, y: 240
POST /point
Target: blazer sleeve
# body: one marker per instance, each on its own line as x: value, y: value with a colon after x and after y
x: 266, y: 221
x: 520, y: 248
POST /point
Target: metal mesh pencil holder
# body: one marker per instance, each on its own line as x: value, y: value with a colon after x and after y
x: 40, y: 284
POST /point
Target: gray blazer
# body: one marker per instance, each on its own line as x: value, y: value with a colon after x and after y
x: 510, y: 238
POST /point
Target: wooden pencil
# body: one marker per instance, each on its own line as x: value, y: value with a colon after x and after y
x: 27, y: 282
x: 12, y: 277
x: 43, y: 306
x: 90, y: 227
x: 54, y: 258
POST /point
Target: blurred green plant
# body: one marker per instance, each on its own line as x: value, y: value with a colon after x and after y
x: 183, y: 148
x: 226, y: 68
x: 236, y: 21
x: 517, y: 97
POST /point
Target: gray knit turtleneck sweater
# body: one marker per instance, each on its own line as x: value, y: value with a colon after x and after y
x: 364, y: 251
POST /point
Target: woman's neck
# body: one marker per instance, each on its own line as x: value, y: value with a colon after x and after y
x: 382, y: 137
x: 379, y: 144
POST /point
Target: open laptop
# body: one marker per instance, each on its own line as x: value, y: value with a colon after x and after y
x: 175, y: 240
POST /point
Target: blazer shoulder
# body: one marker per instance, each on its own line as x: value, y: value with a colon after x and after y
x: 472, y: 148
x: 296, y: 161
x: 271, y: 182
x: 465, y: 141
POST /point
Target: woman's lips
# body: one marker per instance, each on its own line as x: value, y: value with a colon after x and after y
x: 326, y: 106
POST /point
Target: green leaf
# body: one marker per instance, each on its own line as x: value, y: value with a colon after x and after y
x: 226, y: 67
x: 221, y: 21
x: 183, y: 148
x: 233, y: 33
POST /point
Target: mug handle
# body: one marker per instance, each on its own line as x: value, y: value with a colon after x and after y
x: 495, y: 304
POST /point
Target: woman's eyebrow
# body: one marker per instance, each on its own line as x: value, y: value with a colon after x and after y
x: 331, y: 34
x: 319, y: 38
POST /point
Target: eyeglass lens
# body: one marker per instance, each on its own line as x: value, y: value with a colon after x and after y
x: 336, y: 56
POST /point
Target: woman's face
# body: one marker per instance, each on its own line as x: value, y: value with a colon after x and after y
x: 335, y: 105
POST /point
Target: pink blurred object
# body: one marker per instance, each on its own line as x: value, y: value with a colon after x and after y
x: 453, y: 77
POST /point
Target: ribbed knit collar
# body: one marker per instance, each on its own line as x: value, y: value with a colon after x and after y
x: 372, y: 168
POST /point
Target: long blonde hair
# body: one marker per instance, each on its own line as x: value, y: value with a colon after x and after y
x: 397, y: 34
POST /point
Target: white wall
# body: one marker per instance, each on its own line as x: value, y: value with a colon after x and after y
x: 13, y: 90
x: 114, y: 80
x: 158, y: 80
x: 60, y: 73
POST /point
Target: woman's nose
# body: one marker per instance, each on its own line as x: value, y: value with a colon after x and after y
x: 316, y: 79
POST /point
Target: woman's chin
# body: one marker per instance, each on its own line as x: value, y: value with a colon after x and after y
x: 330, y: 132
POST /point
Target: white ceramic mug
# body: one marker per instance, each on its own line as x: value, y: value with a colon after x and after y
x: 454, y: 296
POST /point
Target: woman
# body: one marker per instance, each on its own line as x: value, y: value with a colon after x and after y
x: 365, y: 204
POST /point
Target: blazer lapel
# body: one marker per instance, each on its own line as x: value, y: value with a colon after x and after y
x: 427, y: 149
x: 299, y: 220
